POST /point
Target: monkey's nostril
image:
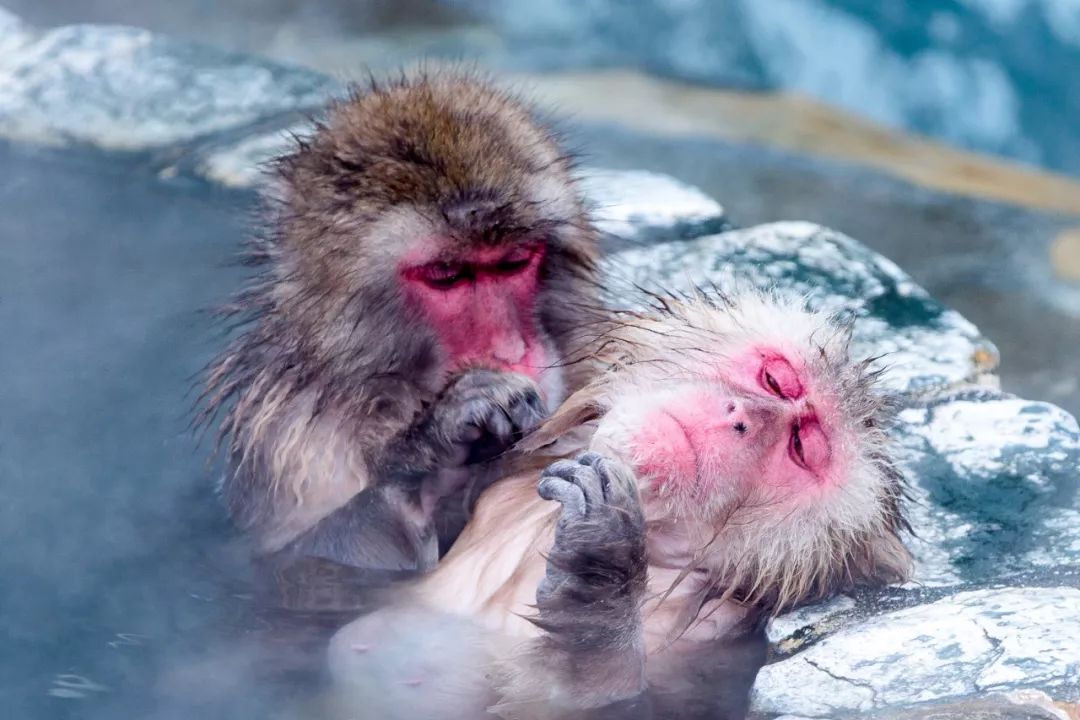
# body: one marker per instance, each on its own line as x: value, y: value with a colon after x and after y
x: 740, y: 427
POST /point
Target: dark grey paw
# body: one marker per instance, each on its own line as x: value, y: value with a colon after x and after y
x: 599, y: 550
x: 484, y: 412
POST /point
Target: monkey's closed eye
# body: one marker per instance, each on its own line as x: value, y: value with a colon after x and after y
x: 443, y: 276
x: 515, y: 261
x: 771, y: 383
x: 796, y: 445
x: 509, y: 267
x: 780, y: 378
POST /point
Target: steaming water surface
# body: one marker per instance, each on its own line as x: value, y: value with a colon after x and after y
x: 117, y: 563
x: 124, y: 592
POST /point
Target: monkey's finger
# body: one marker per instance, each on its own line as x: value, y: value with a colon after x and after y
x: 552, y: 487
x: 564, y: 469
x: 619, y: 479
x: 525, y: 414
x: 592, y: 485
x: 593, y: 460
x: 499, y: 426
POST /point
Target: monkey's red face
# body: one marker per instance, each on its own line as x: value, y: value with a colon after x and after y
x: 757, y: 445
x: 481, y: 305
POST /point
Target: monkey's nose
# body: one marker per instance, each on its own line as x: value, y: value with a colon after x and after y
x: 509, y: 348
x: 750, y: 416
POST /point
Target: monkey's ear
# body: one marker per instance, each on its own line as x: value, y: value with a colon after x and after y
x: 578, y: 409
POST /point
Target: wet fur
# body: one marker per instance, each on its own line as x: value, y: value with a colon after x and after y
x: 330, y: 364
x: 767, y: 555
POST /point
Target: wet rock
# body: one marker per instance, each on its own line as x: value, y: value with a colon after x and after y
x: 791, y: 631
x: 961, y: 645
x: 1014, y: 705
x: 994, y: 486
x: 125, y: 88
x: 638, y: 207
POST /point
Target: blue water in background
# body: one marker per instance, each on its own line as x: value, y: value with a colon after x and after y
x: 999, y: 76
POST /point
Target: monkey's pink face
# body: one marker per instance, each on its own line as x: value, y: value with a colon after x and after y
x: 757, y: 445
x: 481, y: 305
x: 752, y: 437
x: 759, y: 421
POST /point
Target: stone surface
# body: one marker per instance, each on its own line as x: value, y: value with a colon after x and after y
x: 964, y: 644
x: 995, y: 487
x: 638, y: 206
x: 124, y: 88
x: 1012, y: 705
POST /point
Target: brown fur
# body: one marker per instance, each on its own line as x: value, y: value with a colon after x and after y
x: 331, y: 364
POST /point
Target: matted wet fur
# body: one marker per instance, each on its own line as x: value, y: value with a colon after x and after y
x: 606, y: 598
x: 331, y: 365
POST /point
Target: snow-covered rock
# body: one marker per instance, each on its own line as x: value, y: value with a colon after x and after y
x: 962, y: 645
x: 126, y: 88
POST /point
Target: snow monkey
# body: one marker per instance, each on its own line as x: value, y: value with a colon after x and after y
x: 731, y: 462
x: 427, y: 266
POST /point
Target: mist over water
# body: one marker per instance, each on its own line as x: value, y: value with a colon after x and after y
x: 117, y: 558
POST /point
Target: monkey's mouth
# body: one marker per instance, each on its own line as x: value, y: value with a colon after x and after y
x: 667, y: 452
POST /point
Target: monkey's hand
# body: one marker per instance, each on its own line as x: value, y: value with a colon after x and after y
x: 589, y: 600
x: 481, y: 414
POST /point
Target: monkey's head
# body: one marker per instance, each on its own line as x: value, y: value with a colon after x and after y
x: 760, y: 447
x: 429, y: 225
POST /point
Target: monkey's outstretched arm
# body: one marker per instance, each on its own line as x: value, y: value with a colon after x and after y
x: 394, y: 524
x: 380, y: 528
x: 590, y: 660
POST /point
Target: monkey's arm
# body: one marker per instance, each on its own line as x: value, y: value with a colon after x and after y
x: 380, y: 528
x: 396, y: 523
x: 590, y: 658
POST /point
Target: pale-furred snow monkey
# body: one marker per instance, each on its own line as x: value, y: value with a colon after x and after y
x: 731, y: 462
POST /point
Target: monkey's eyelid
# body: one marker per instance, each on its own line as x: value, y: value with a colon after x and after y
x: 509, y: 267
x: 796, y: 445
x: 772, y: 384
x: 441, y: 274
